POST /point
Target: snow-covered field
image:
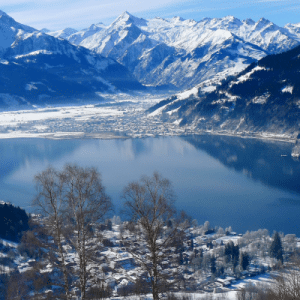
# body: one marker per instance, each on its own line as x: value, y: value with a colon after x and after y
x: 119, y: 115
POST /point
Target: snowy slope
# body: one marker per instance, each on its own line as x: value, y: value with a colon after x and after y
x: 63, y: 34
x: 10, y: 30
x: 263, y: 99
x: 218, y: 55
x: 77, y: 37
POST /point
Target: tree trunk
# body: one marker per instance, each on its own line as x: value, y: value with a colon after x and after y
x: 64, y: 269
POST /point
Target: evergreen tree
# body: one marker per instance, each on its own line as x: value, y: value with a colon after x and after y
x: 276, y: 250
x: 191, y: 243
x: 244, y: 260
x: 180, y: 260
x: 213, y: 267
x: 232, y: 253
x: 13, y: 221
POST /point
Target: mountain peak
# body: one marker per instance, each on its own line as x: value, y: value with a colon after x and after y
x: 127, y: 18
x: 263, y: 20
x: 262, y: 23
x: 95, y: 27
x: 125, y: 14
x: 64, y: 33
x: 249, y: 21
x: 69, y: 30
x: 177, y: 18
x: 232, y: 19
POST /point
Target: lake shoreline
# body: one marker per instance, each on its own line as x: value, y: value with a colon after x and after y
x: 117, y: 135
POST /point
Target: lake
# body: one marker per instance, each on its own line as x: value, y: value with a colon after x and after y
x: 244, y: 183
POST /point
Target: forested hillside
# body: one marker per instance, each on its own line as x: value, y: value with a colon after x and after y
x: 13, y: 221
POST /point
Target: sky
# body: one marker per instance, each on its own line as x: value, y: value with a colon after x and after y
x: 78, y: 14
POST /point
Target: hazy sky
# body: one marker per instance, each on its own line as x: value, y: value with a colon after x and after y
x: 59, y: 14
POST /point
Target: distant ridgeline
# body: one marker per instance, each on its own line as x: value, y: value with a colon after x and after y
x: 13, y: 220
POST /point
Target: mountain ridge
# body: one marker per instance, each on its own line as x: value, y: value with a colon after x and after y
x: 38, y: 69
x: 131, y: 41
x: 262, y: 100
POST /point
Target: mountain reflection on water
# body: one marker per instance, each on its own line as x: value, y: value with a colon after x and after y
x: 230, y: 181
x: 15, y: 153
x: 269, y: 162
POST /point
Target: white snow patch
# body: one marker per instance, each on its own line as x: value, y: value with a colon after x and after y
x: 209, y: 89
x: 35, y: 53
x: 288, y: 89
x: 188, y: 93
x: 261, y: 99
x: 72, y: 112
x: 177, y: 122
x: 157, y: 111
x: 247, y: 75
x: 171, y: 112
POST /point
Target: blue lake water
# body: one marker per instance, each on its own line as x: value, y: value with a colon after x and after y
x: 244, y: 183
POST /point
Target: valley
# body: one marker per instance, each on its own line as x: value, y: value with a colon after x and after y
x: 212, y: 104
x: 116, y: 116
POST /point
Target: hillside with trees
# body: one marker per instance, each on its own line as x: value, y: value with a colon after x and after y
x: 75, y: 249
x: 13, y: 221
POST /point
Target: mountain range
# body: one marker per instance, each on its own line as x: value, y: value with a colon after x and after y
x: 40, y: 67
x: 185, y: 53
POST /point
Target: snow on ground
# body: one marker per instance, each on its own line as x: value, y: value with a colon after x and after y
x: 9, y: 243
x: 264, y: 279
x: 226, y: 239
x: 247, y: 75
x: 117, y: 116
x: 188, y: 93
x: 288, y: 89
x: 80, y: 113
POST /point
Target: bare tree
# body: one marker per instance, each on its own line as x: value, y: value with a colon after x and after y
x: 50, y: 203
x: 150, y: 204
x: 284, y: 286
x: 87, y: 204
x: 287, y: 283
x: 72, y: 202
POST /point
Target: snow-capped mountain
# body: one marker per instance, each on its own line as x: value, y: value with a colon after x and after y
x: 10, y: 30
x: 163, y: 64
x: 185, y: 53
x: 293, y: 28
x: 40, y: 68
x: 172, y: 53
x: 263, y: 33
x: 116, y: 38
x: 63, y: 34
x: 77, y: 37
x: 261, y: 100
